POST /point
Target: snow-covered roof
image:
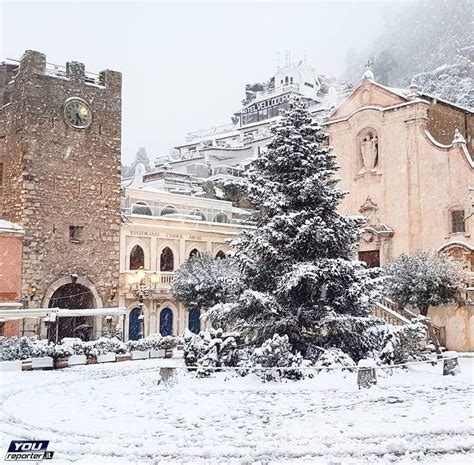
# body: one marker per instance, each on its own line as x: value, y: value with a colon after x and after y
x: 7, y: 227
x: 446, y: 102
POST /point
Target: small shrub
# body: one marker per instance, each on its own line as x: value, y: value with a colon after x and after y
x: 334, y: 358
x: 277, y: 352
x: 211, y: 348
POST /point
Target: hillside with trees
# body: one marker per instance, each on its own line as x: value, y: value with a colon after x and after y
x: 429, y: 41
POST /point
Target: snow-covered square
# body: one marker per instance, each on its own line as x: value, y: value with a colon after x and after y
x: 117, y: 413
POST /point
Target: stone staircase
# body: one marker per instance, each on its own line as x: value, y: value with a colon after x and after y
x: 387, y: 310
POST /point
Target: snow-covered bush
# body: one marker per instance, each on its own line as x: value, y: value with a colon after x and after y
x: 68, y: 346
x: 204, y: 281
x: 211, y: 348
x: 153, y: 342
x: 22, y: 348
x: 400, y: 344
x: 349, y: 334
x: 63, y: 351
x: 104, y: 345
x: 334, y: 358
x: 425, y: 279
x: 166, y: 343
x: 139, y: 344
x: 277, y: 352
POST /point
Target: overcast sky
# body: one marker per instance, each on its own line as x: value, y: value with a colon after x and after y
x: 185, y: 65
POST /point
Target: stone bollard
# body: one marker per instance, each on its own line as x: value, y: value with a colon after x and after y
x: 168, y: 376
x: 451, y: 364
x: 366, y: 375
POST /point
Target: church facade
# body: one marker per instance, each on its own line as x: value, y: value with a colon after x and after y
x: 407, y: 161
x: 403, y: 174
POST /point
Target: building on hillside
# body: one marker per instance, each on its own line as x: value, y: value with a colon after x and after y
x: 165, y: 221
x: 407, y: 160
x: 225, y: 151
x: 60, y: 140
x: 11, y: 243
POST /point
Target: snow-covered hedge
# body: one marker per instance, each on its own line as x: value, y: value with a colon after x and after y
x: 104, y: 345
x: 153, y: 342
x: 22, y: 348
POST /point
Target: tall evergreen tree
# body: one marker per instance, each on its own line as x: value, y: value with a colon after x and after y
x: 297, y: 265
x: 142, y: 157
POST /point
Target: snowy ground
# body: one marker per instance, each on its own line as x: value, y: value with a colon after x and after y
x: 117, y: 413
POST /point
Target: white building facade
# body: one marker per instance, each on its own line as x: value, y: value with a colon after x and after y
x: 162, y: 227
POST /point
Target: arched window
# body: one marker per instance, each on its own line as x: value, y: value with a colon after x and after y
x: 167, y: 260
x: 220, y: 255
x: 137, y: 258
x: 134, y: 324
x: 221, y: 218
x: 194, y: 323
x: 286, y: 79
x: 367, y: 150
x: 141, y: 208
x: 193, y: 253
x: 166, y: 322
x: 199, y: 213
x: 169, y: 210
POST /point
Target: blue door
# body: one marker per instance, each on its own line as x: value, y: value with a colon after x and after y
x: 134, y: 325
x: 194, y: 320
x: 166, y: 322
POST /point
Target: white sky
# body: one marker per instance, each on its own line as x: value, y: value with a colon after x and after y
x: 185, y: 65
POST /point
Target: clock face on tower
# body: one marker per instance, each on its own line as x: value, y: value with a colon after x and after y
x: 77, y: 113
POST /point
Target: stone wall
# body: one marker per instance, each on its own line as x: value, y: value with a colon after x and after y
x: 458, y: 323
x: 57, y: 176
x: 443, y: 119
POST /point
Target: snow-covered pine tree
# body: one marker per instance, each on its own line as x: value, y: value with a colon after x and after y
x: 297, y: 265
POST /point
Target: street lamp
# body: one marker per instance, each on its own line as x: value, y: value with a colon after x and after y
x: 143, y: 285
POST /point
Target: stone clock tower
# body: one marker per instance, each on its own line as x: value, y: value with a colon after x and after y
x: 60, y: 140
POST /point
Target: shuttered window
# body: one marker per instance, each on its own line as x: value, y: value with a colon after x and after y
x: 457, y: 221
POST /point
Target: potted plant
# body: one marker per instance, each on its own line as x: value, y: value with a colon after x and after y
x: 10, y: 357
x: 154, y: 341
x: 109, y: 348
x: 90, y: 352
x: 61, y: 354
x: 78, y: 357
x: 138, y: 349
x: 41, y: 354
x: 168, y: 343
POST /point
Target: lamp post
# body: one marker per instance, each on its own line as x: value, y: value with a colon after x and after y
x: 143, y: 284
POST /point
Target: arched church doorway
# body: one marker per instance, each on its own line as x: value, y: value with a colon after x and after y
x: 74, y: 296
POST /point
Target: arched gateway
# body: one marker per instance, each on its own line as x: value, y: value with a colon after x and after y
x: 73, y: 293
